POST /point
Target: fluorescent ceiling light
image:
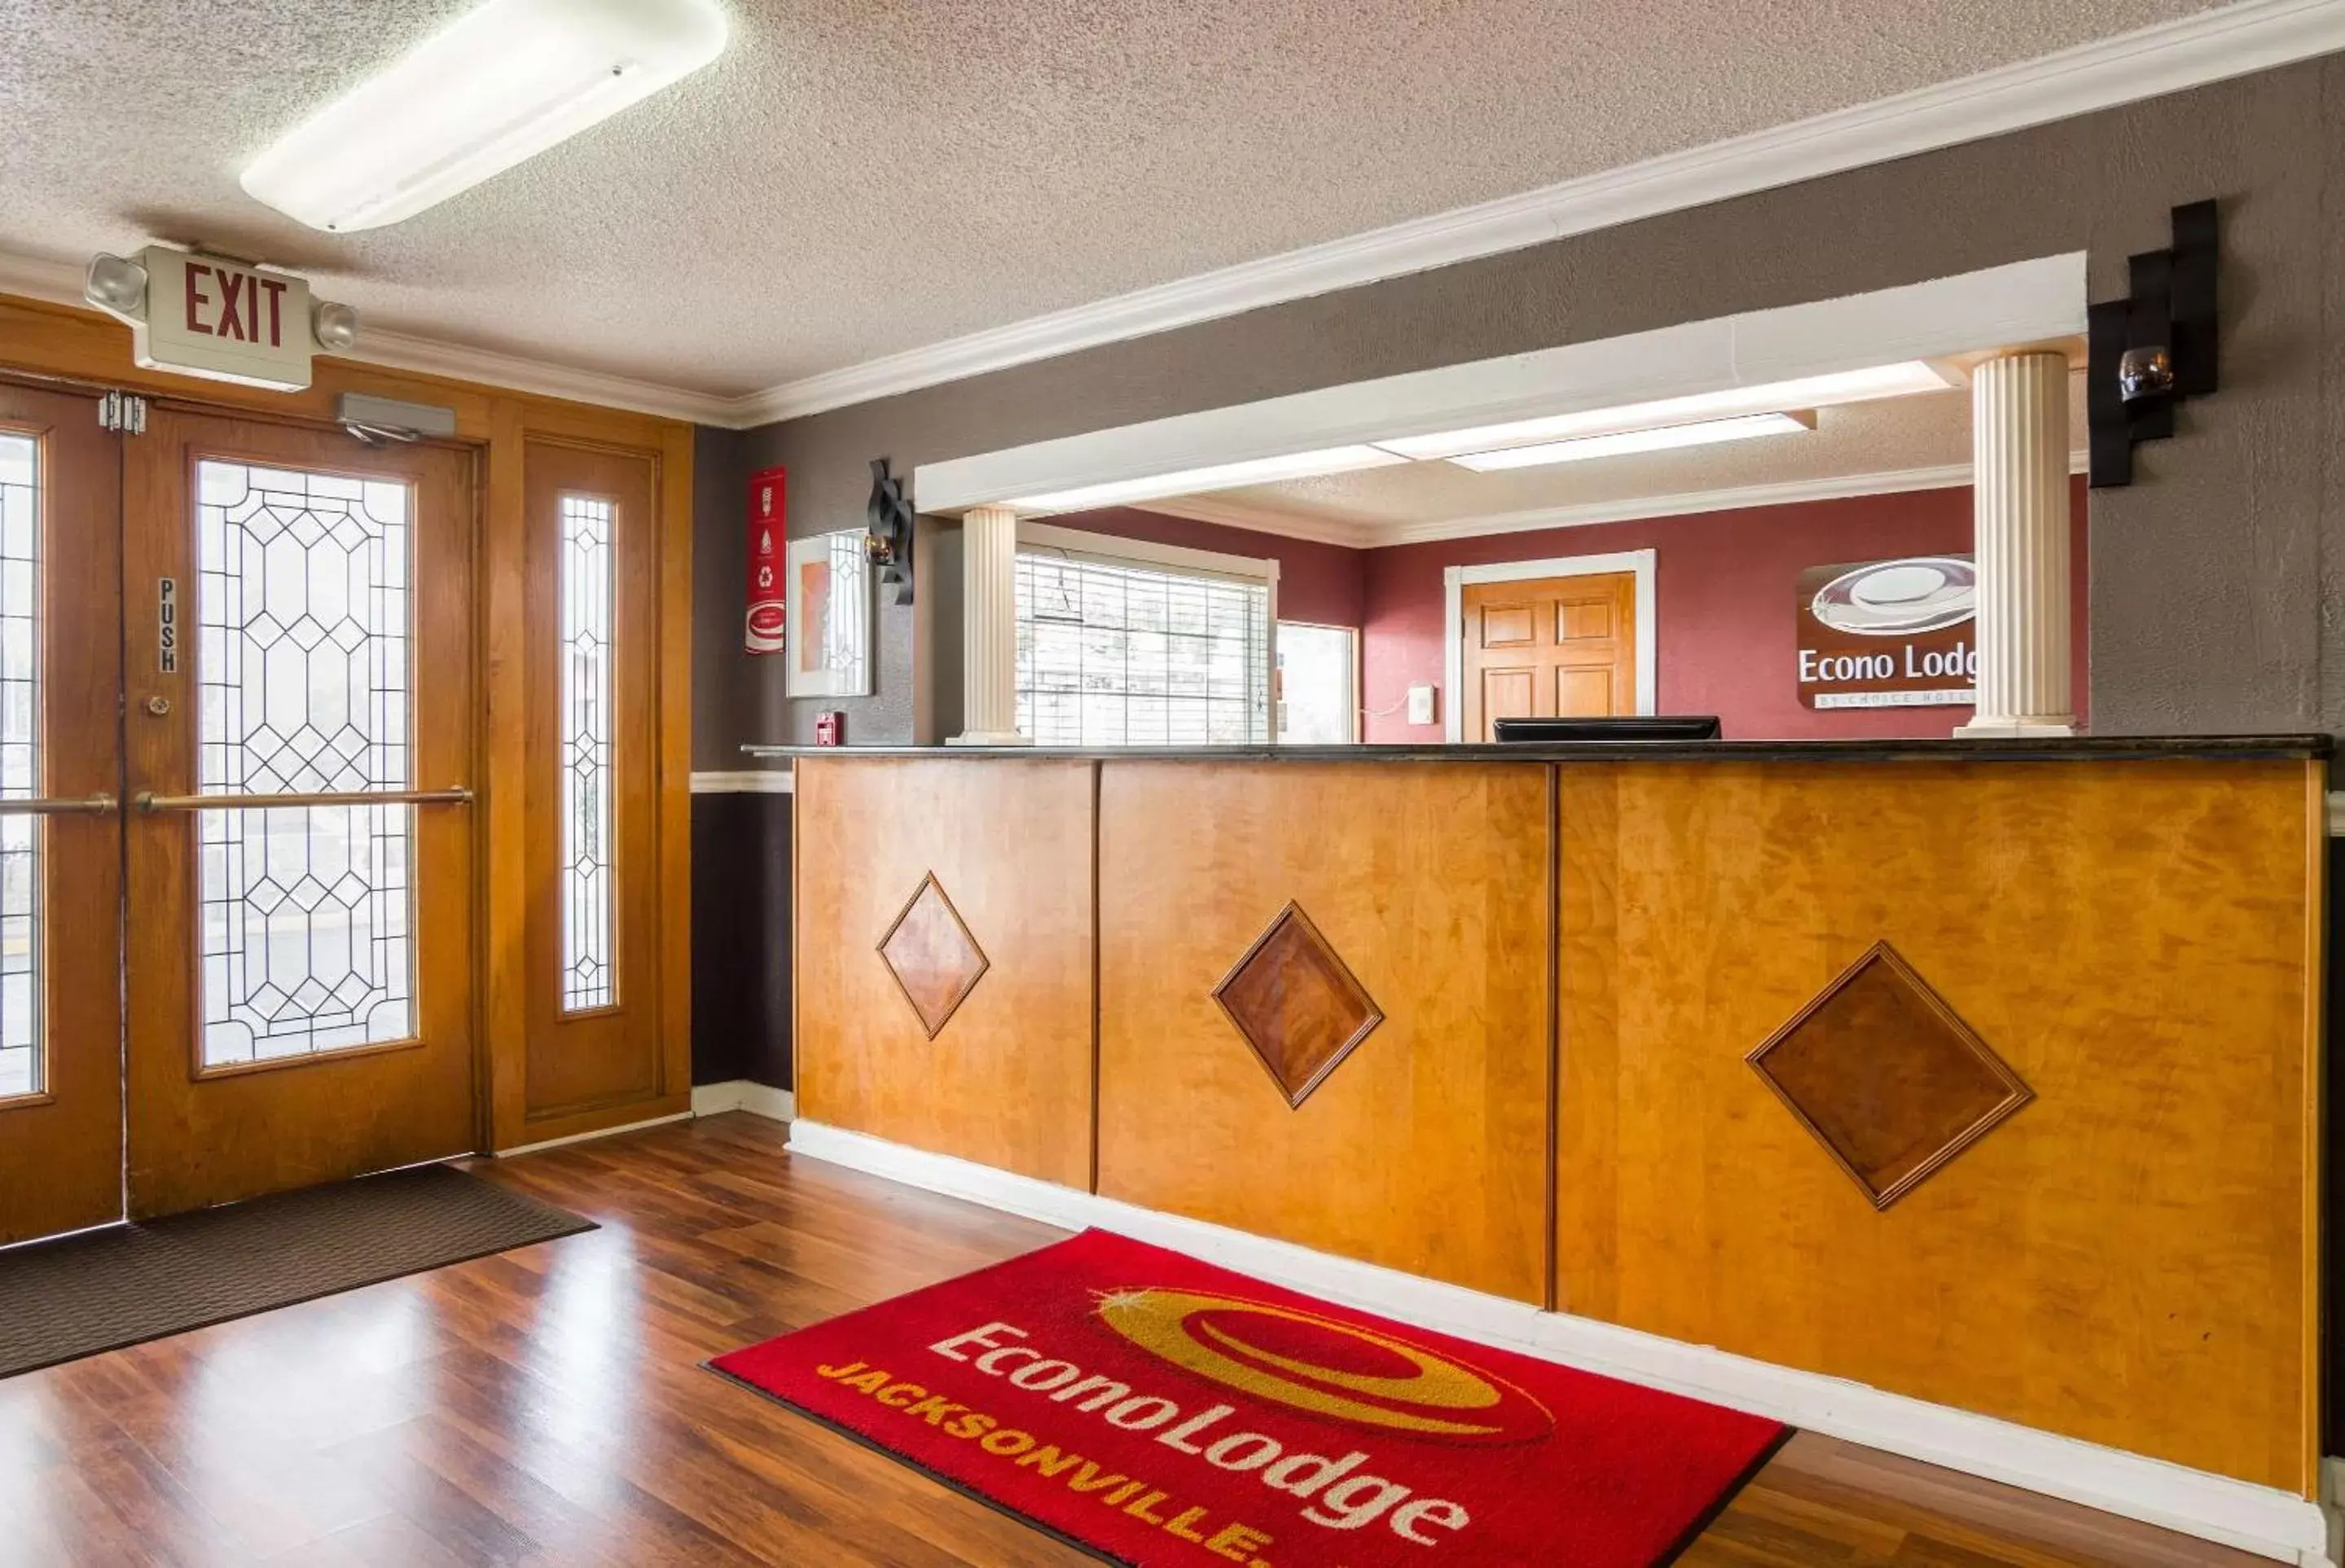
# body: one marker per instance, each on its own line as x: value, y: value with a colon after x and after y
x: 500, y: 85
x: 1220, y: 476
x: 1742, y: 427
x: 1809, y: 392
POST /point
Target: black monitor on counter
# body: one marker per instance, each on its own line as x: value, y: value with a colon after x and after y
x: 1609, y: 730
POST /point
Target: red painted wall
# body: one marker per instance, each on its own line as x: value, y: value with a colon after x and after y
x: 1317, y: 583
x: 1723, y: 587
x: 1723, y: 590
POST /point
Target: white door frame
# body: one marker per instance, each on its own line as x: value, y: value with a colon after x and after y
x: 1453, y: 618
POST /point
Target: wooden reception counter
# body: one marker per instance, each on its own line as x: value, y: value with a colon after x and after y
x: 1985, y: 1074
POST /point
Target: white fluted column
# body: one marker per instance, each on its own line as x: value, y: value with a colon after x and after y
x: 989, y: 629
x: 2019, y: 479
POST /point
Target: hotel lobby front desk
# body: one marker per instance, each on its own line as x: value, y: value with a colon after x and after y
x: 1984, y: 1075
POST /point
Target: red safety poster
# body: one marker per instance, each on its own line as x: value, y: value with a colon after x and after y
x: 769, y: 544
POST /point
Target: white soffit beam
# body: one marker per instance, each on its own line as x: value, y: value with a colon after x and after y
x: 2025, y: 301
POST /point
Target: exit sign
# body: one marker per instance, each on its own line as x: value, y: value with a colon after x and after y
x: 222, y: 320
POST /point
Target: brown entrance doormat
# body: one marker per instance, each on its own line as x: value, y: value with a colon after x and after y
x: 103, y: 1290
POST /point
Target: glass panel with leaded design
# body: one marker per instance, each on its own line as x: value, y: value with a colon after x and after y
x: 589, y: 977
x: 302, y: 652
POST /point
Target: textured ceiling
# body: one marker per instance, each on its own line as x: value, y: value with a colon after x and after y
x: 1378, y: 506
x: 854, y: 179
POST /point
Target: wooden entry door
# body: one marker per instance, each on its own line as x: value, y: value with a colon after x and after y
x: 298, y: 634
x: 1551, y: 648
x: 60, y: 834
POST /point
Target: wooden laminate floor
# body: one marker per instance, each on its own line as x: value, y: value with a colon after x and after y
x: 547, y: 1406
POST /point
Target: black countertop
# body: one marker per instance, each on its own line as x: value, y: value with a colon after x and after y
x: 2071, y: 748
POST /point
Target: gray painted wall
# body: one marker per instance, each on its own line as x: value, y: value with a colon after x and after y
x: 2210, y: 574
x: 727, y: 688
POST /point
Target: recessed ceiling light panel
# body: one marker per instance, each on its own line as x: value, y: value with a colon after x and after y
x: 1619, y: 443
x: 499, y: 86
x: 1864, y: 385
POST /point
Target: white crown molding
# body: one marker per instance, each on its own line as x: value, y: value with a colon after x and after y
x: 1378, y: 536
x: 2238, y: 1514
x: 458, y: 362
x: 2189, y: 52
x: 37, y: 278
x: 2171, y: 56
x: 1266, y: 520
x: 1731, y: 498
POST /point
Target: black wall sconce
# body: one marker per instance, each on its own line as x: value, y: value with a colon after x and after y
x: 2149, y: 351
x: 888, y: 531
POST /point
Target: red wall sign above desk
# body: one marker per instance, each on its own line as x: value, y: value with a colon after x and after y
x: 1888, y: 633
x: 768, y: 544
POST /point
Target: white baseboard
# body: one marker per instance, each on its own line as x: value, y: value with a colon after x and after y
x: 2258, y: 1518
x: 755, y: 780
x: 741, y: 1095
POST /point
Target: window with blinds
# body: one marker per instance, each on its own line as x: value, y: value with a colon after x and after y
x: 1128, y: 652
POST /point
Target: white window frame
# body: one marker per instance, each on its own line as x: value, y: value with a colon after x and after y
x: 1358, y: 658
x: 1073, y: 544
x: 1453, y: 580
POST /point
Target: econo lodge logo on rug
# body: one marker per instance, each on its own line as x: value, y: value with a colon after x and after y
x: 1323, y: 1367
x: 1166, y: 1413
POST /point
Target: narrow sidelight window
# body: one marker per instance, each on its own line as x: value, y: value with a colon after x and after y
x: 23, y: 1059
x: 588, y: 978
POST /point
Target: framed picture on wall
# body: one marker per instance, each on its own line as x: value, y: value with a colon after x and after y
x: 829, y: 638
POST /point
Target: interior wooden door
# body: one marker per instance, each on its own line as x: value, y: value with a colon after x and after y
x: 1548, y: 647
x: 60, y: 834
x: 298, y: 676
x: 592, y: 849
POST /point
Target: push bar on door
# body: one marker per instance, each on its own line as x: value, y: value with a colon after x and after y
x: 87, y: 806
x: 150, y: 803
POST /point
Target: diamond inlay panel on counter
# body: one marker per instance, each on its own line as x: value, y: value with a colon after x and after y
x: 929, y: 952
x: 1885, y: 1075
x: 1298, y: 1004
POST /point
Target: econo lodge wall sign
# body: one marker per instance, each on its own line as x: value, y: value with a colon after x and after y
x: 1889, y: 633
